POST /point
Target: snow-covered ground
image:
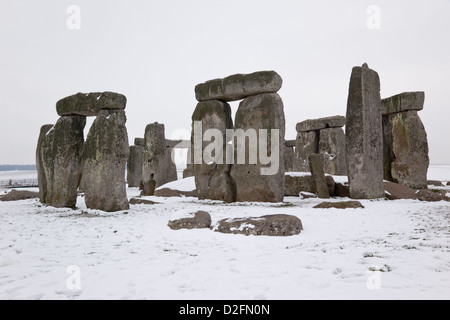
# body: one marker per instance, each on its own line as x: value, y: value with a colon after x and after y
x: 389, y: 250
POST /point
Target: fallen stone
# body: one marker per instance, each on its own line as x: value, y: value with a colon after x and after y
x: 320, y: 182
x: 15, y: 195
x: 90, y: 104
x: 261, y: 182
x: 239, y: 86
x: 271, y: 225
x: 342, y: 191
x: 364, y: 138
x: 167, y: 193
x: 42, y: 179
x: 105, y: 154
x: 406, y: 101
x: 61, y: 154
x: 340, y: 205
x: 395, y: 191
x: 431, y: 195
x: 201, y: 220
x: 295, y: 184
x: 435, y: 183
x: 322, y: 123
x: 307, y: 195
x: 135, y: 201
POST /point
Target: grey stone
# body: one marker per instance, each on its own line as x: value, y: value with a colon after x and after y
x: 320, y: 182
x: 322, y: 123
x: 289, y: 159
x: 340, y: 205
x: 60, y: 151
x: 307, y: 144
x: 157, y: 161
x: 134, y: 166
x: 271, y: 225
x: 213, y: 180
x: 16, y: 195
x: 139, y: 142
x: 239, y: 86
x: 290, y: 143
x: 332, y: 146
x: 104, y: 157
x: 296, y: 184
x: 435, y: 183
x: 264, y: 111
x: 89, y: 104
x: 135, y: 201
x: 42, y: 180
x: 364, y: 138
x: 403, y: 102
x: 405, y: 149
x: 201, y: 220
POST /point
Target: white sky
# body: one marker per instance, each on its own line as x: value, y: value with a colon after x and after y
x: 155, y: 52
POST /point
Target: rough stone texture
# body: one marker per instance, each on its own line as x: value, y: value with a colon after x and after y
x: 289, y: 159
x: 322, y: 123
x: 104, y: 157
x: 239, y: 86
x: 167, y: 193
x: 435, y: 183
x: 403, y: 102
x: 307, y: 143
x: 395, y: 191
x: 271, y: 225
x: 296, y: 184
x: 135, y: 201
x: 320, y: 182
x: 16, y: 195
x: 332, y: 146
x: 201, y: 220
x: 134, y: 166
x: 340, y: 205
x: 431, y: 195
x: 405, y: 151
x: 264, y: 111
x: 157, y: 160
x: 342, y: 190
x: 90, y: 104
x: 60, y: 151
x: 290, y: 143
x: 42, y: 180
x: 364, y: 138
x: 213, y: 180
x: 139, y: 142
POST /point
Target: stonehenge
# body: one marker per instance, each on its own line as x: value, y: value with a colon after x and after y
x: 134, y: 163
x: 66, y: 162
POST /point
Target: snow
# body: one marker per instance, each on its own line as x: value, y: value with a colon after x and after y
x: 389, y: 250
x: 187, y: 184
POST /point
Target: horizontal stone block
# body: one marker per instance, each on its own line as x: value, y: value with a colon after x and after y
x: 403, y: 102
x: 90, y: 104
x: 322, y: 123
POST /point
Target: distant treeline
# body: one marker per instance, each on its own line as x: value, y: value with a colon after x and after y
x: 13, y: 167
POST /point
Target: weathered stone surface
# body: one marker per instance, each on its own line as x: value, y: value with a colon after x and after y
x: 342, y: 190
x: 134, y: 166
x: 157, y: 160
x: 139, y: 142
x: 431, y: 195
x: 89, y: 104
x: 104, y: 157
x: 435, y: 183
x: 403, y: 102
x: 405, y: 151
x: 320, y: 182
x: 332, y: 146
x: 364, y: 138
x: 61, y: 151
x: 395, y: 191
x: 212, y: 178
x: 289, y: 159
x: 340, y: 205
x: 135, y: 201
x: 271, y: 225
x: 322, y: 123
x: 201, y: 220
x: 307, y: 144
x: 290, y: 143
x: 167, y: 193
x: 239, y: 86
x: 42, y: 180
x: 296, y: 184
x: 261, y: 112
x: 16, y: 195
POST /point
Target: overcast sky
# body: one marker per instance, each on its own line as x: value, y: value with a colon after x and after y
x: 155, y: 52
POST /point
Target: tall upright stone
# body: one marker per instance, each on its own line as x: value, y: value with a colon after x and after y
x: 320, y: 181
x: 405, y: 154
x: 42, y: 179
x: 364, y: 139
x: 307, y: 144
x: 332, y: 146
x: 104, y: 157
x: 258, y: 114
x: 134, y: 166
x: 60, y: 161
x: 157, y: 161
x: 212, y: 176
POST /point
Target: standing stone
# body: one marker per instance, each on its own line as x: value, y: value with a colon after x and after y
x: 405, y: 151
x: 212, y: 179
x: 134, y: 166
x: 42, y: 180
x: 60, y: 152
x: 316, y: 165
x: 104, y: 157
x: 289, y: 159
x: 332, y: 146
x: 307, y: 143
x: 157, y: 161
x: 264, y: 111
x: 364, y: 139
